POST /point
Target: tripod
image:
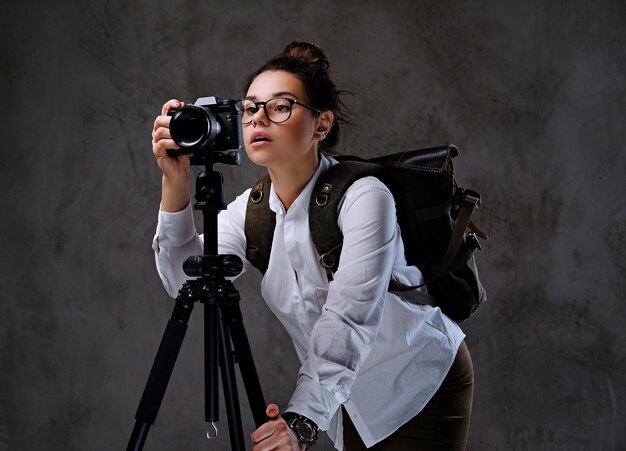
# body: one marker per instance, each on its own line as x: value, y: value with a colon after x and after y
x: 225, y: 339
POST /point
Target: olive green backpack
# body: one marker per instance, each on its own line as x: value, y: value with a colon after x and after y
x: 432, y: 211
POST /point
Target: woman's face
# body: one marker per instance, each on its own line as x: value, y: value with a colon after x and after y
x: 289, y: 142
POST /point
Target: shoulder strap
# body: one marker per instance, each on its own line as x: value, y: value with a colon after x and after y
x: 259, y: 225
x: 324, y: 209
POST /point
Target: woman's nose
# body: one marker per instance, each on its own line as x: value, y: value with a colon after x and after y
x: 260, y: 115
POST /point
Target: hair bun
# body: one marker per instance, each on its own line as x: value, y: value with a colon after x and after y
x: 312, y: 54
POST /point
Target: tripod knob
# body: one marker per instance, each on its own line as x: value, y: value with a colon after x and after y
x: 227, y: 265
x: 232, y: 265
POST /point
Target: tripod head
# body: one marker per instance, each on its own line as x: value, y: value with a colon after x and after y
x: 210, y: 131
x: 210, y: 200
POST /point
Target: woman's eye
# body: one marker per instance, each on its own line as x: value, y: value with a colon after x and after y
x: 251, y: 110
x: 282, y: 108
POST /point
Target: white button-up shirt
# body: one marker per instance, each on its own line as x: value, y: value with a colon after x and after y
x: 380, y: 356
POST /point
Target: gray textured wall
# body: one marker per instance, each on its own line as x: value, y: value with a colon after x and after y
x: 532, y: 92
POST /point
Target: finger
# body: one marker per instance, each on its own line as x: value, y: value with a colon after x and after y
x: 272, y: 410
x: 159, y: 149
x: 282, y: 438
x: 171, y: 104
x: 264, y: 431
x: 162, y: 121
x: 161, y: 133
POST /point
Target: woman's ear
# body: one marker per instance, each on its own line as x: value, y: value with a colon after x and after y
x: 325, y: 123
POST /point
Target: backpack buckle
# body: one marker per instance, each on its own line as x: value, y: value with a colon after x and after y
x: 321, y: 199
x: 471, y: 196
x: 473, y: 242
x: 257, y: 194
x: 329, y: 260
x: 326, y: 263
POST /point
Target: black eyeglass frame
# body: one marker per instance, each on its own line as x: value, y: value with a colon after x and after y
x: 291, y: 102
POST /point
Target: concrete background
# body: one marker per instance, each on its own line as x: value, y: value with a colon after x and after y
x: 532, y: 92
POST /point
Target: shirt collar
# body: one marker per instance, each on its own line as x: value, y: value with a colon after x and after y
x: 303, y: 198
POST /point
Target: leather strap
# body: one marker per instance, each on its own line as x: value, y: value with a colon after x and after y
x: 259, y: 225
x: 414, y: 295
x: 479, y: 233
x: 470, y: 201
x: 324, y: 209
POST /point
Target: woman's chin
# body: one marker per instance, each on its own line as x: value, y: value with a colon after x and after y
x: 261, y: 157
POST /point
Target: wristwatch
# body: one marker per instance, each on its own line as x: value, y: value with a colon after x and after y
x: 306, y: 430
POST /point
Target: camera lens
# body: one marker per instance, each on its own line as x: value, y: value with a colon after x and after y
x: 193, y: 126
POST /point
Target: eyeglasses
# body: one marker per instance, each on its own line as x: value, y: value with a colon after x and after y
x: 277, y: 109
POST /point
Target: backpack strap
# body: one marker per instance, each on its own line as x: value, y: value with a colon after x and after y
x: 470, y: 201
x: 259, y: 225
x: 324, y: 215
x: 324, y: 209
x: 414, y: 295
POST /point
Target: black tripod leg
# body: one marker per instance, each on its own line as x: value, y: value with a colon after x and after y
x: 229, y: 384
x: 246, y: 364
x: 161, y: 371
x: 211, y: 359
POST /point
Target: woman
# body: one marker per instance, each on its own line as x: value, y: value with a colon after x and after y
x: 376, y: 370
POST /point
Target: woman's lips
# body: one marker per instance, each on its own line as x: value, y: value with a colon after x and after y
x: 259, y: 139
x: 259, y: 144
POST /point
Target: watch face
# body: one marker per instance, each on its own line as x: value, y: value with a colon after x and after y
x: 305, y: 431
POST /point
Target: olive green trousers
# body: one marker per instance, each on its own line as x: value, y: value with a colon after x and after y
x: 442, y: 425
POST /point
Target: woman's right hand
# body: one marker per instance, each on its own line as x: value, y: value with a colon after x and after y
x: 175, y: 194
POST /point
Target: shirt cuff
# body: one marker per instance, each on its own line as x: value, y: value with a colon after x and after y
x: 315, y: 402
x: 176, y: 229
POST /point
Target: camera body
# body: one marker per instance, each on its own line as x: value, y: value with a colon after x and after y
x: 209, y: 130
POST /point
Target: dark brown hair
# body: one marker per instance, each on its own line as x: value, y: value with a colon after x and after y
x: 309, y: 63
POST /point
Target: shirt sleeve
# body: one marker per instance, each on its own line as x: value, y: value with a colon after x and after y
x: 176, y: 239
x: 344, y: 334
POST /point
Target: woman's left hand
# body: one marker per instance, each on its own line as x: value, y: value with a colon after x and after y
x: 275, y: 435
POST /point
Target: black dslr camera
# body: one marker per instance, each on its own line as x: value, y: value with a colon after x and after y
x: 209, y: 130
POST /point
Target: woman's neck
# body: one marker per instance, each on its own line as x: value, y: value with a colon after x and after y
x: 289, y: 181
